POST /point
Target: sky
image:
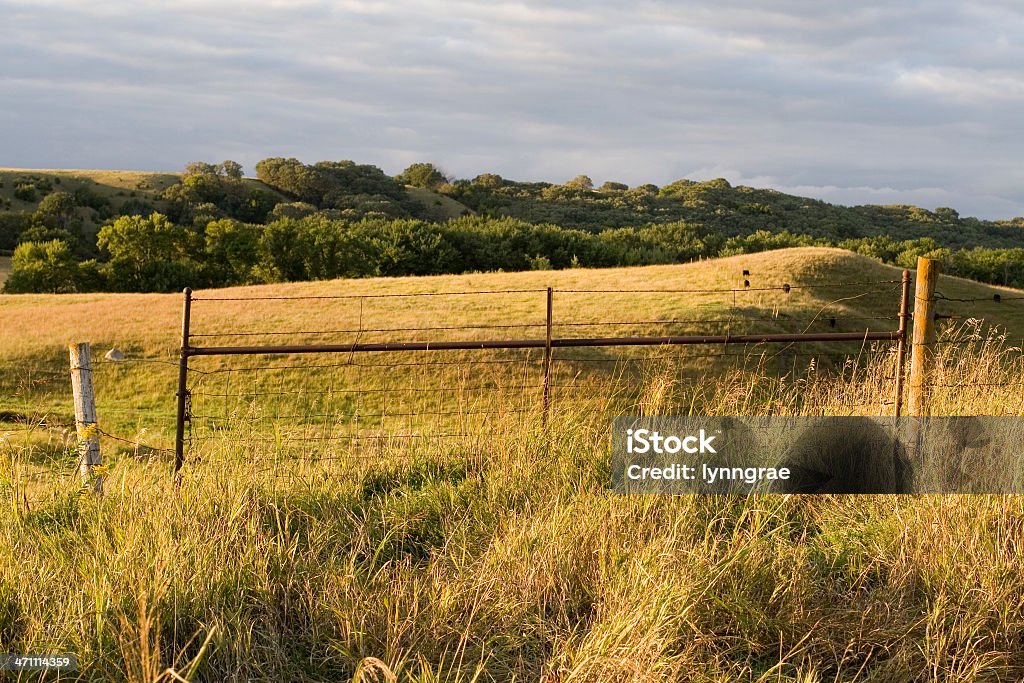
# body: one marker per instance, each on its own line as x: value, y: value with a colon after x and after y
x: 912, y: 101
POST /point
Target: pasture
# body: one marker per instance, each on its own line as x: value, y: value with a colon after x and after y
x: 507, y: 558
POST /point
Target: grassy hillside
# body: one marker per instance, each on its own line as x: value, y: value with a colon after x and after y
x: 342, y: 219
x: 149, y: 323
x: 503, y: 558
x: 139, y: 395
x: 116, y: 186
x: 5, y: 268
x: 120, y: 187
x: 439, y: 207
x: 726, y: 210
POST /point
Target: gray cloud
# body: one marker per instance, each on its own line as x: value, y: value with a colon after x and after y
x: 913, y: 101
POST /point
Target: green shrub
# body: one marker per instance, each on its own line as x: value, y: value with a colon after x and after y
x: 47, y: 267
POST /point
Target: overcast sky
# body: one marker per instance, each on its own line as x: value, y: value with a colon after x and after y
x: 852, y: 102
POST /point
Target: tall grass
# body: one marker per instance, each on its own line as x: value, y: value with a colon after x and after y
x: 513, y: 561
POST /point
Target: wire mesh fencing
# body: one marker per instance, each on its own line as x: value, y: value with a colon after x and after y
x: 40, y: 445
x: 360, y: 380
x: 455, y: 377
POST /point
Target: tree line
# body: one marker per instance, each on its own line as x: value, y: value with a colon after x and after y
x: 342, y: 219
x: 153, y: 254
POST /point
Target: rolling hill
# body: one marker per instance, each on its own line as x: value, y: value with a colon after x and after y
x: 587, y: 302
x: 149, y: 323
x: 341, y: 219
x: 439, y: 207
x: 115, y: 187
x: 121, y: 187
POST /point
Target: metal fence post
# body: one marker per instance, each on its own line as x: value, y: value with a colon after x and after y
x: 923, y: 345
x: 85, y: 416
x: 547, y: 359
x: 549, y: 342
x: 901, y: 343
x: 179, y: 436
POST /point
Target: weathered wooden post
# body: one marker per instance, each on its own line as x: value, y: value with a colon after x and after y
x: 85, y: 416
x: 922, y: 348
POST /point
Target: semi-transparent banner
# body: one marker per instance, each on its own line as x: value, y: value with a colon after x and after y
x: 818, y: 455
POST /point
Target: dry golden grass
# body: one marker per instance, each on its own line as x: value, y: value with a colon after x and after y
x: 508, y: 560
x: 122, y: 180
x: 117, y: 187
x: 114, y: 186
x: 441, y: 208
x: 150, y: 322
x: 511, y: 562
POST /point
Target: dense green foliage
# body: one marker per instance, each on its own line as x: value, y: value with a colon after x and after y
x: 422, y: 175
x: 43, y: 267
x: 342, y: 219
x: 731, y: 211
x: 344, y: 188
x: 153, y: 254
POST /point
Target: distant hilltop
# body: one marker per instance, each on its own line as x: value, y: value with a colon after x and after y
x: 80, y: 230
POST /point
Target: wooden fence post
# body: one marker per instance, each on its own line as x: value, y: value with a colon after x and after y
x: 85, y: 415
x: 923, y: 345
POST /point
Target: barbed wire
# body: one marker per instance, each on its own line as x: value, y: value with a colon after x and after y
x: 369, y: 329
x: 364, y: 390
x: 782, y: 317
x: 995, y: 298
x: 134, y: 442
x: 393, y: 295
x: 354, y: 437
x: 971, y: 385
x: 342, y: 415
x: 783, y: 287
x: 131, y: 360
x: 356, y: 364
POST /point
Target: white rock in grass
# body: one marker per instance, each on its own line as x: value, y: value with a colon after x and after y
x: 114, y: 355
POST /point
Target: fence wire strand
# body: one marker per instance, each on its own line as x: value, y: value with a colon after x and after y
x: 357, y: 407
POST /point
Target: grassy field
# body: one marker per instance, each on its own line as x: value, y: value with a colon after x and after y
x: 506, y: 559
x: 146, y: 326
x: 105, y: 181
x: 441, y: 208
x: 115, y: 186
x: 150, y: 323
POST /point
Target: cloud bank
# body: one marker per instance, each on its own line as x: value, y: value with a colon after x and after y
x: 877, y: 102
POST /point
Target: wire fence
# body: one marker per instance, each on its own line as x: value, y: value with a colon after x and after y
x: 454, y: 378
x: 363, y: 379
x: 39, y: 441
